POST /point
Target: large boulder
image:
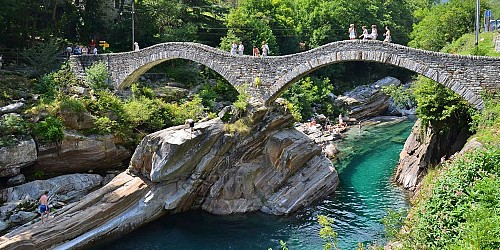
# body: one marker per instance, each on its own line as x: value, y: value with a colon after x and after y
x: 79, y: 153
x: 18, y: 154
x: 367, y: 100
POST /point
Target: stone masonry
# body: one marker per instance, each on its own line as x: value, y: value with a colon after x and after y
x: 268, y: 77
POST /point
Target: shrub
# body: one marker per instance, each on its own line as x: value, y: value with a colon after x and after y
x: 437, y: 105
x: 96, y: 76
x: 241, y: 126
x: 461, y: 209
x: 402, y: 97
x: 190, y: 109
x: 72, y: 105
x: 242, y: 102
x: 12, y: 124
x: 51, y: 129
x: 43, y: 57
x: 47, y: 87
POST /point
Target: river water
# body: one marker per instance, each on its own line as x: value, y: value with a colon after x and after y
x: 365, y: 192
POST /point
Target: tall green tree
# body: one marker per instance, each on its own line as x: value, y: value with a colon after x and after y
x: 256, y: 21
x: 443, y: 24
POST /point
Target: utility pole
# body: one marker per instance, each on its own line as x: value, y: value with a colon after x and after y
x: 133, y: 33
x: 477, y: 21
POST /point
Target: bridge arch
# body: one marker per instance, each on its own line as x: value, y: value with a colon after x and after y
x: 467, y: 76
x: 268, y: 77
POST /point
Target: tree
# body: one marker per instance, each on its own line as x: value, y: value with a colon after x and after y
x: 443, y: 24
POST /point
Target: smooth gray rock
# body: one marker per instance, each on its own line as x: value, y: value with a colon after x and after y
x: 58, y: 185
x: 367, y: 100
x: 11, y: 108
x: 22, y: 217
x: 3, y: 225
x: 16, y: 180
x: 18, y: 155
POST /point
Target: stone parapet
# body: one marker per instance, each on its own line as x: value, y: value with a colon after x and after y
x: 268, y: 77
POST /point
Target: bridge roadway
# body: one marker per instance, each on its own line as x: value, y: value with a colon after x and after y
x: 268, y: 77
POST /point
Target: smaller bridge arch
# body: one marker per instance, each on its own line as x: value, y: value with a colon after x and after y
x: 468, y: 76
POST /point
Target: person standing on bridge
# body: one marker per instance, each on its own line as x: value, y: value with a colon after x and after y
x: 374, y: 33
x: 234, y: 49
x: 352, y: 32
x: 136, y: 46
x: 387, y: 35
x: 265, y: 49
x: 92, y: 45
x: 241, y: 49
x: 255, y: 51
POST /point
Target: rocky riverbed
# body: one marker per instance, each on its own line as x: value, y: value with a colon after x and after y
x: 274, y: 168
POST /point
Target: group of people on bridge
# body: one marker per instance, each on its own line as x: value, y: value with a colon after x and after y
x: 240, y: 49
x: 365, y: 35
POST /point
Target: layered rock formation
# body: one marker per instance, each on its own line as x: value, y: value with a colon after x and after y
x: 79, y: 153
x: 273, y: 168
x: 21, y: 153
x: 367, y: 100
x: 424, y: 148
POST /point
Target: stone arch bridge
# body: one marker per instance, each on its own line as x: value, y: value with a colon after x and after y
x: 268, y: 77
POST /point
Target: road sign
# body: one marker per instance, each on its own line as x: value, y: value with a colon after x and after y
x: 104, y: 44
x: 488, y: 13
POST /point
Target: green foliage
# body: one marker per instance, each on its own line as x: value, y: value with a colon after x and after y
x: 402, y: 96
x: 43, y: 57
x: 243, y: 97
x: 72, y: 105
x: 138, y: 91
x: 294, y: 110
x: 465, y: 45
x: 436, y: 105
x: 326, y: 232
x: 241, y: 126
x: 443, y: 24
x: 486, y: 123
x: 221, y: 91
x: 11, y: 124
x: 187, y: 110
x: 461, y: 210
x: 393, y: 222
x: 97, y: 76
x: 307, y: 92
x: 50, y: 129
x: 47, y: 87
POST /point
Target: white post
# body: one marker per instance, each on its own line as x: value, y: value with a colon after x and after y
x: 477, y: 21
x: 133, y: 33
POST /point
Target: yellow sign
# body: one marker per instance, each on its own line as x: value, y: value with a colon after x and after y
x: 104, y: 44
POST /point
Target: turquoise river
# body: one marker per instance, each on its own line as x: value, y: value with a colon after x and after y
x: 364, y: 194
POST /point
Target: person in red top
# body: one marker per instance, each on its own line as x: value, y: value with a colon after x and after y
x: 92, y: 46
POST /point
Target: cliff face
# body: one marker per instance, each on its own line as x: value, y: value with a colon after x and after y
x: 425, y: 148
x: 274, y: 169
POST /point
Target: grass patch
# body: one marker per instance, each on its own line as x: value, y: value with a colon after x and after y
x: 465, y: 45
